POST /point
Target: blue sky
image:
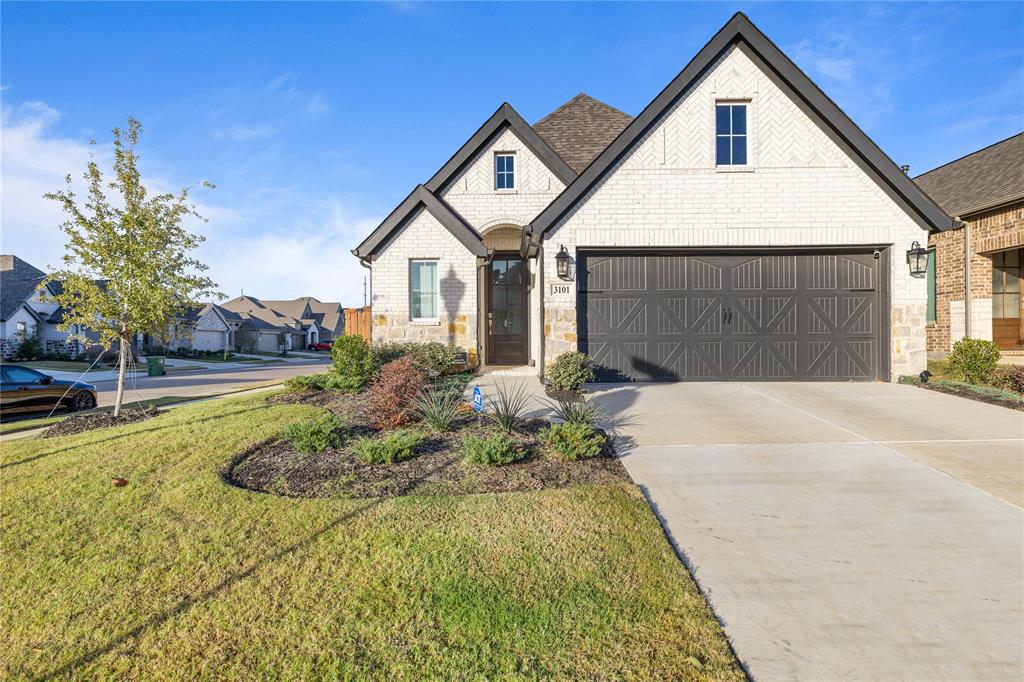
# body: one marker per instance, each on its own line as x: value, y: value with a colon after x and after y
x: 315, y: 120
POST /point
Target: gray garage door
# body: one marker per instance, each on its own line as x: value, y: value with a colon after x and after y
x: 751, y: 317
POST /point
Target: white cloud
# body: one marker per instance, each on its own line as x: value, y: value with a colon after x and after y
x: 249, y: 245
x: 33, y: 162
x: 310, y: 258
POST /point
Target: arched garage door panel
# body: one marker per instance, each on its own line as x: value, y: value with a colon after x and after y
x: 744, y: 317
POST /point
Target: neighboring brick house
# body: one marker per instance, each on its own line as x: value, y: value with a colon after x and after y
x: 741, y: 227
x: 985, y: 190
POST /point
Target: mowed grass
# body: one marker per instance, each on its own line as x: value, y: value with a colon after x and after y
x: 178, y: 575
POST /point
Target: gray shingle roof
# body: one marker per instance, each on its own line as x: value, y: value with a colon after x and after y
x: 984, y: 179
x: 18, y: 280
x: 580, y: 129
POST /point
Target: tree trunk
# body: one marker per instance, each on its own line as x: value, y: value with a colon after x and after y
x: 121, y: 363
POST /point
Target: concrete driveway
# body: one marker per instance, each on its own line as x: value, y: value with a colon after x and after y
x: 841, y: 531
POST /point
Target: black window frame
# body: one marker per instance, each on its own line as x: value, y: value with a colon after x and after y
x: 504, y: 174
x: 733, y: 136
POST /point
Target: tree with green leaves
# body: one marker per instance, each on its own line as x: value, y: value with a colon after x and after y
x: 128, y: 267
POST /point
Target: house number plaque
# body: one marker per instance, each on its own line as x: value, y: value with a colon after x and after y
x: 561, y: 289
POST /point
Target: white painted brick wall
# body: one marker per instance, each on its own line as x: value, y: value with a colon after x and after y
x: 802, y: 191
x: 424, y: 237
x: 472, y: 192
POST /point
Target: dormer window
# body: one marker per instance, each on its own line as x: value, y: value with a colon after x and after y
x: 504, y: 171
x: 730, y: 134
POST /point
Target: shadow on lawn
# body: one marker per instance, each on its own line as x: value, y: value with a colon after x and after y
x: 186, y: 604
x: 111, y: 439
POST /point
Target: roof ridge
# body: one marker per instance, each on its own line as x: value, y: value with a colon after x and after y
x: 969, y: 154
x: 563, y: 105
x: 575, y: 98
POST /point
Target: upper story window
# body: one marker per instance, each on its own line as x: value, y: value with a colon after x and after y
x: 504, y: 171
x: 731, y: 134
x: 423, y: 292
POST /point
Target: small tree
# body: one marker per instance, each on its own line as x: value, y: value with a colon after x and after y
x: 127, y: 265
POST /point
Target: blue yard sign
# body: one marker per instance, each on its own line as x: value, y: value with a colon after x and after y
x: 478, y: 399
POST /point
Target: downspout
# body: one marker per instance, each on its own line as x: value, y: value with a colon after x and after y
x: 967, y: 279
x: 366, y: 264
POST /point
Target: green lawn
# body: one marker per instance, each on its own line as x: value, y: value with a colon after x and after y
x: 179, y: 575
x: 62, y: 365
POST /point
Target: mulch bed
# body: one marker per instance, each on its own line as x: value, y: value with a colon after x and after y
x: 100, y: 420
x: 436, y: 468
x: 566, y: 396
x: 964, y: 392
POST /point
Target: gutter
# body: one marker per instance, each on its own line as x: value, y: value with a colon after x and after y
x: 967, y: 280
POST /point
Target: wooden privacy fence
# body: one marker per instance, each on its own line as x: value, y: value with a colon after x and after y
x: 357, y: 322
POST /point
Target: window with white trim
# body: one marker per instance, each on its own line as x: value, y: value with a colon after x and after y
x: 730, y: 134
x: 504, y: 171
x: 423, y: 293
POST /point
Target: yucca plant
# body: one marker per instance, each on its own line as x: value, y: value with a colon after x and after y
x: 509, y: 404
x: 582, y: 411
x: 437, y: 407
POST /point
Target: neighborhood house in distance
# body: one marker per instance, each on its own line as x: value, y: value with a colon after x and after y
x: 249, y: 324
x: 740, y: 227
x: 243, y: 324
x: 26, y: 310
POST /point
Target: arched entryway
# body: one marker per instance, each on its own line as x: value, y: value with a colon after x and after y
x: 506, y: 299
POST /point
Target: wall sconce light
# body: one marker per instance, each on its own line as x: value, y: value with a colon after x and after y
x: 917, y: 259
x: 562, y: 263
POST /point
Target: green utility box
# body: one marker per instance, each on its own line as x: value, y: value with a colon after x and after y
x: 155, y: 363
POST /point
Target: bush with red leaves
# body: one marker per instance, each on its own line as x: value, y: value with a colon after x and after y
x: 388, y: 402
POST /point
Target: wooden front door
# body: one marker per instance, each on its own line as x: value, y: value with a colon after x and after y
x: 507, y: 322
x: 1006, y: 311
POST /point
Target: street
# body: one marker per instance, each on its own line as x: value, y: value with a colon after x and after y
x: 205, y: 381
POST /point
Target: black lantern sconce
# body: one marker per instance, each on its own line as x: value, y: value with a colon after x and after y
x: 562, y: 263
x: 917, y: 259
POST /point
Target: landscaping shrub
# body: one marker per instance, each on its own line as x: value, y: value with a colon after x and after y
x: 570, y: 370
x: 312, y: 436
x: 435, y: 356
x: 974, y: 360
x: 322, y: 382
x: 494, y: 450
x: 394, y: 447
x: 509, y: 404
x: 1009, y: 379
x: 389, y: 399
x: 580, y: 411
x: 573, y: 441
x: 438, y: 407
x: 30, y: 349
x: 352, y: 361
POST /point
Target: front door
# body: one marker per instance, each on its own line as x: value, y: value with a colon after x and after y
x: 1006, y: 308
x: 507, y: 335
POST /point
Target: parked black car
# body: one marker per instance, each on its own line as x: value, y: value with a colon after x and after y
x: 24, y: 390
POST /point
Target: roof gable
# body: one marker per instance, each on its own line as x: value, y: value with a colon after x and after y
x: 421, y: 197
x: 504, y: 118
x: 581, y: 128
x: 987, y: 178
x: 741, y: 33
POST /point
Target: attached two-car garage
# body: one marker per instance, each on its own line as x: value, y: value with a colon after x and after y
x: 735, y: 316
